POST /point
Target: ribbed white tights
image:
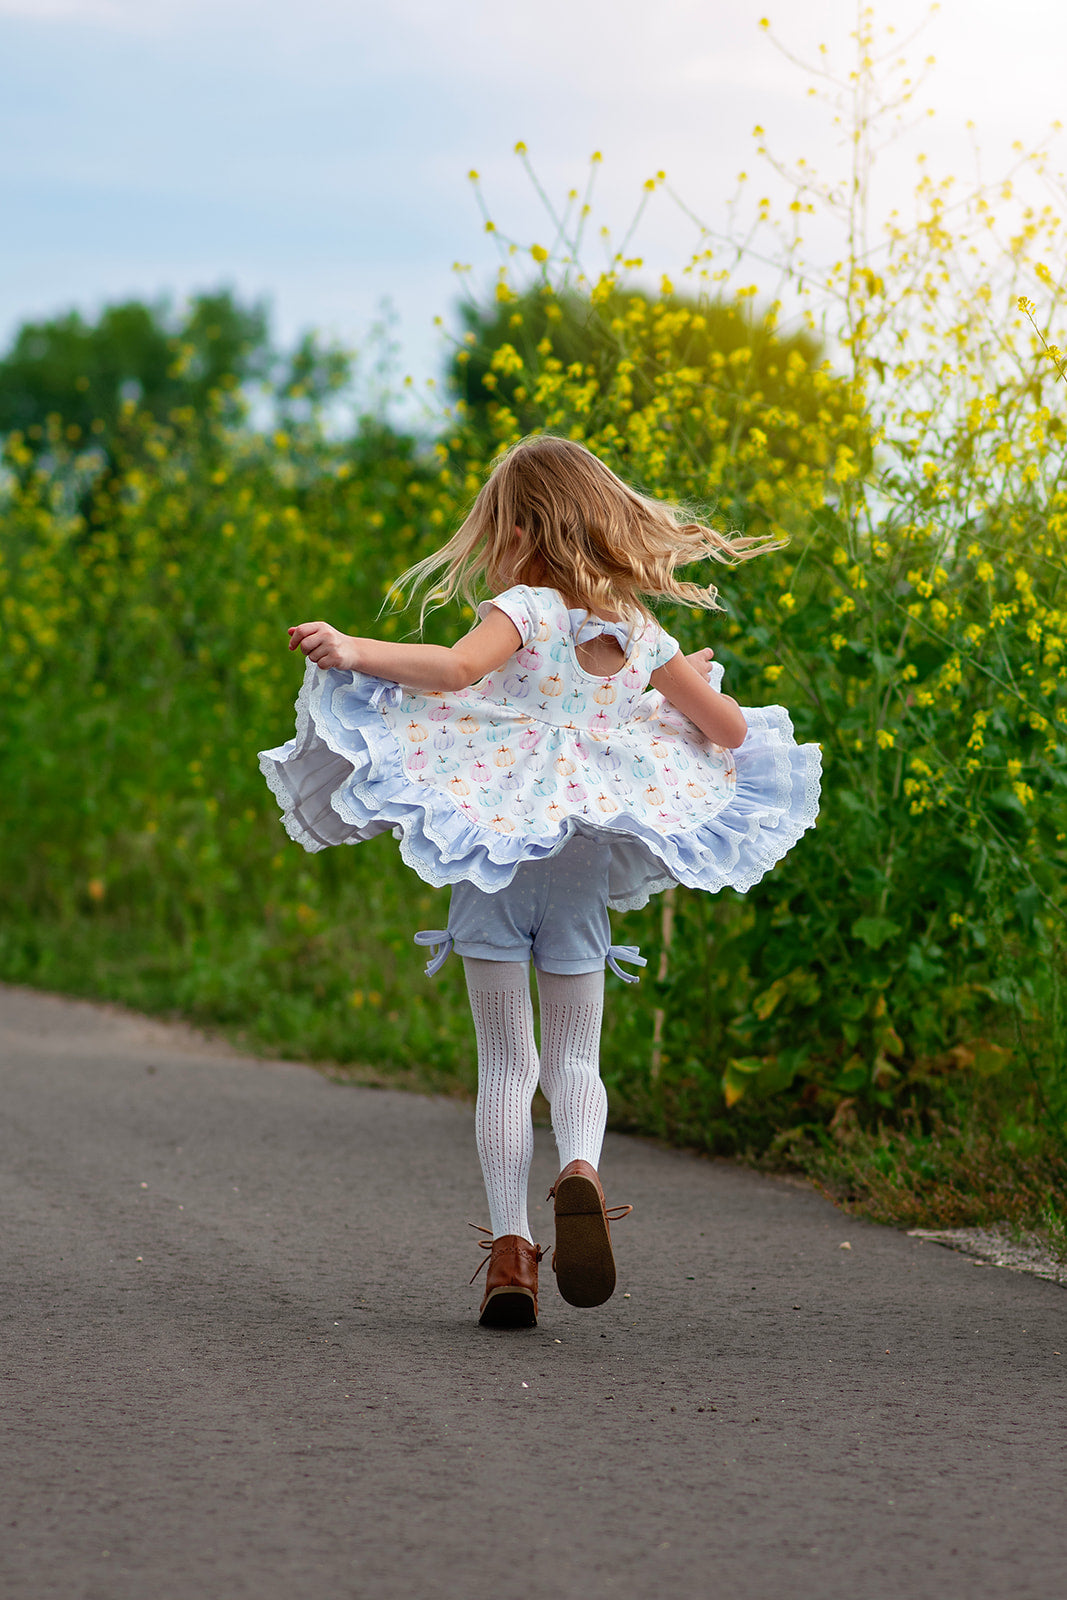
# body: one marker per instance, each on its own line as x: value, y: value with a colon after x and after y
x: 572, y: 1009
x: 571, y: 1012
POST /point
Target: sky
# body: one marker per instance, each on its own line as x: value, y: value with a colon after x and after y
x: 316, y: 154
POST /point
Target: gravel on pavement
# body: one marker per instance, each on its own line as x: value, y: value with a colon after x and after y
x: 240, y: 1357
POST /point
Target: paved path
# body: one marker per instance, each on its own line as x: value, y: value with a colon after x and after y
x: 239, y: 1357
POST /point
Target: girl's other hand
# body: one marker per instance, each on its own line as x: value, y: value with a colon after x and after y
x: 701, y: 661
x: 324, y: 645
x: 682, y: 680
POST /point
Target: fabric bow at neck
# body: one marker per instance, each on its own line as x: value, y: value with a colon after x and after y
x: 593, y: 627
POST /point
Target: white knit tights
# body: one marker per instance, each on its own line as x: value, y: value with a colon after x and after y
x: 507, y: 1077
x: 571, y: 1011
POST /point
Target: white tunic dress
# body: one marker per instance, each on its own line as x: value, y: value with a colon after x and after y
x: 475, y: 783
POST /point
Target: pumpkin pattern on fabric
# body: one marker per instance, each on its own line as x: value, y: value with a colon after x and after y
x: 474, y: 783
x: 574, y: 745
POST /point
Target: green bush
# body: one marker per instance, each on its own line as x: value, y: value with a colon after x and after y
x: 915, y: 626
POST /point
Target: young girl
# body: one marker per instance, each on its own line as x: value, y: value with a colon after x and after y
x: 531, y: 767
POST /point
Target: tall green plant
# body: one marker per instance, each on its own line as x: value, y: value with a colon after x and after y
x: 915, y: 625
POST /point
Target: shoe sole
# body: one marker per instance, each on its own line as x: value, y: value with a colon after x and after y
x: 509, y: 1307
x: 583, y: 1259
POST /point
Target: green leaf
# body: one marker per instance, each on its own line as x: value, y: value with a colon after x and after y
x: 853, y: 1076
x: 739, y: 1077
x: 874, y: 931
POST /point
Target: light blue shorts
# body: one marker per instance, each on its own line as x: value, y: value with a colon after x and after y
x: 554, y: 910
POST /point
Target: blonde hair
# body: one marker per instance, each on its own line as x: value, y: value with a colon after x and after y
x: 583, y: 532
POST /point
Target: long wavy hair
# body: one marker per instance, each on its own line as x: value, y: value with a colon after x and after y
x: 552, y: 514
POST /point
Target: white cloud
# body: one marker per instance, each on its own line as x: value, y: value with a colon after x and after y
x: 110, y: 12
x: 321, y: 148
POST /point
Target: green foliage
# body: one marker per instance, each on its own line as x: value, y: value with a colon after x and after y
x: 66, y: 378
x: 145, y: 660
x: 742, y: 366
x: 905, y: 961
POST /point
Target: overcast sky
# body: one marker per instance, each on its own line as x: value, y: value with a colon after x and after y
x: 316, y: 151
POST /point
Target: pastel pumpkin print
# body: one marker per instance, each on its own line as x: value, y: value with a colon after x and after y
x: 532, y: 745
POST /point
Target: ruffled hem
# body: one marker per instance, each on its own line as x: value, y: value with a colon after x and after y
x: 341, y: 780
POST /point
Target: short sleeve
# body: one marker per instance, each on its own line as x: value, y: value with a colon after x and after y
x: 520, y: 606
x: 664, y: 649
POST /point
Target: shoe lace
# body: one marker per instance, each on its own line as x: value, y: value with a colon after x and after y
x: 612, y: 1213
x: 487, y: 1244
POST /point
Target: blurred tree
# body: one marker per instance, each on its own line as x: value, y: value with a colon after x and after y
x: 81, y: 373
x: 752, y: 374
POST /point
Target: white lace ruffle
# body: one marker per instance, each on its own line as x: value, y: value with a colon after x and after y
x: 342, y: 780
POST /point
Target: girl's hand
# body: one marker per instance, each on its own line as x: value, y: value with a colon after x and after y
x: 326, y: 646
x: 701, y: 661
x: 682, y: 682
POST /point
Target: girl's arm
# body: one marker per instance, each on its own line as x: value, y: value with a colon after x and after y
x: 417, y: 666
x: 718, y: 717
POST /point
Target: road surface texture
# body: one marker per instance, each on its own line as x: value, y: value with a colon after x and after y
x: 240, y: 1357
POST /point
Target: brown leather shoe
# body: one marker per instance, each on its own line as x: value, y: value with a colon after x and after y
x: 511, y: 1282
x: 583, y: 1260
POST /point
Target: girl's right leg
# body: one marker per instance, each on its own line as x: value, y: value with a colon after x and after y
x: 572, y: 1010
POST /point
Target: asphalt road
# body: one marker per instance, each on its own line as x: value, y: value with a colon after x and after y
x: 240, y: 1356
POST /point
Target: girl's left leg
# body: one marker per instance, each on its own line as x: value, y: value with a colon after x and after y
x: 507, y: 1077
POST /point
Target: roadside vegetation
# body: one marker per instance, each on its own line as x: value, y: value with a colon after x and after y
x: 886, y: 1010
